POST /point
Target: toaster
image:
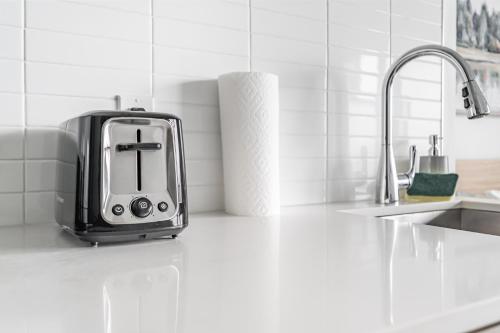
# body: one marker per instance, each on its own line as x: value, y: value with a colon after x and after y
x: 121, y: 176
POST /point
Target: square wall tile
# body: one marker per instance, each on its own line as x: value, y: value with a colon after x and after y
x: 11, y: 143
x: 11, y: 176
x: 40, y: 207
x: 12, y: 42
x: 11, y: 209
x: 41, y: 143
x: 11, y: 12
x: 12, y: 109
x: 12, y: 76
x: 40, y: 176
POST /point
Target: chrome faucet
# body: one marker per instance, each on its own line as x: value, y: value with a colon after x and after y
x: 388, y: 180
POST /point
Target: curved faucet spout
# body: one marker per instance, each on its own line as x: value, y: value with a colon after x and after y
x: 474, y: 102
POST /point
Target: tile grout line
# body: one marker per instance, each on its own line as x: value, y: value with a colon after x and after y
x: 151, y: 76
x: 390, y: 31
x: 250, y: 36
x: 327, y: 99
x: 442, y: 80
x: 24, y: 114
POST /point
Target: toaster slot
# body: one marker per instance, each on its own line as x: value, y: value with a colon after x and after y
x: 138, y: 158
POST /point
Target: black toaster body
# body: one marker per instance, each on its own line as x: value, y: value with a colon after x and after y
x: 121, y: 176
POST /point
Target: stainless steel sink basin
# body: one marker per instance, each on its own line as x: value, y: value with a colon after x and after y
x: 481, y: 221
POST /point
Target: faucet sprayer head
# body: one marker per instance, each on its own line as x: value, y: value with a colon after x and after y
x: 474, y: 101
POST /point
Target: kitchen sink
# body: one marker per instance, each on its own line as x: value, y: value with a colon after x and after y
x: 481, y: 221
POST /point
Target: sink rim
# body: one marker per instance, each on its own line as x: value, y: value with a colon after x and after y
x: 379, y: 211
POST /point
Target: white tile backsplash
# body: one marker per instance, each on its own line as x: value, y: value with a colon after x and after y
x: 359, y: 39
x: 136, y: 6
x: 295, y: 99
x: 38, y: 206
x: 294, y: 169
x: 11, y: 176
x: 11, y: 208
x: 11, y: 12
x: 184, y: 89
x: 358, y: 61
x: 416, y: 29
x: 40, y: 176
x: 11, y: 143
x: 211, y: 12
x: 293, y: 27
x: 85, y: 19
x: 196, y: 36
x: 41, y: 143
x: 204, y: 172
x: 196, y: 63
x: 66, y: 48
x: 293, y: 75
x: 312, y: 9
x: 12, y: 109
x: 288, y: 50
x: 330, y: 55
x: 85, y: 82
x: 424, y: 10
x: 46, y: 110
x: 358, y: 16
x: 11, y: 38
x: 12, y: 75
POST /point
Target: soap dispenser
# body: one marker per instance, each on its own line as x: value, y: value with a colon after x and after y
x: 434, y: 162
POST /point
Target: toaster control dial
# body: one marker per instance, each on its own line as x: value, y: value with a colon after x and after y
x: 141, y: 207
x: 163, y: 206
x: 117, y: 210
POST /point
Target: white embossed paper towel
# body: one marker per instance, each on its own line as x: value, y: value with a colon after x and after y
x: 249, y: 112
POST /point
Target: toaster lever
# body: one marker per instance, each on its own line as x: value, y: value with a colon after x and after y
x: 138, y: 146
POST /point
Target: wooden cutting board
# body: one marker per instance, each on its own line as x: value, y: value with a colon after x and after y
x: 478, y: 176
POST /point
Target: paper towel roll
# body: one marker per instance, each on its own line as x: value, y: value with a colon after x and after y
x: 249, y: 112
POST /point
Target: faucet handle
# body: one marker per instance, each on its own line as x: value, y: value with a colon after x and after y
x: 413, y: 163
x: 406, y: 179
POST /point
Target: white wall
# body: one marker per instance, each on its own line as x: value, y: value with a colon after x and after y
x: 60, y: 58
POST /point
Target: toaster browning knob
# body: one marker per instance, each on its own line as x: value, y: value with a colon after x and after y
x: 163, y: 206
x: 117, y: 209
x: 141, y: 207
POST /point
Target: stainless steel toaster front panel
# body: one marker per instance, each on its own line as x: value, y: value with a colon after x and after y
x: 127, y: 175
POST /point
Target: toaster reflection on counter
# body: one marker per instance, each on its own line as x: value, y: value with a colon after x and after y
x: 121, y: 176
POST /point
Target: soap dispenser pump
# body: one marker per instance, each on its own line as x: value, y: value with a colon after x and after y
x: 434, y: 162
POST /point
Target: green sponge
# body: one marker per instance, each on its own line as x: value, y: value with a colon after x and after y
x: 433, y: 185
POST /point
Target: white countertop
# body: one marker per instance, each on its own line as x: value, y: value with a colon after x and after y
x: 313, y: 269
